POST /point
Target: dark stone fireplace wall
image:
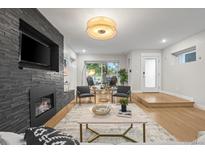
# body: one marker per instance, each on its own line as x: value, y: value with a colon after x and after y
x: 15, y: 83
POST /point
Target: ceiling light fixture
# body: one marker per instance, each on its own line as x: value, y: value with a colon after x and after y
x: 101, y: 28
x: 83, y: 50
x: 164, y: 40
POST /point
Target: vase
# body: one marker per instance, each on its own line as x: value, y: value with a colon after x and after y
x: 124, y: 108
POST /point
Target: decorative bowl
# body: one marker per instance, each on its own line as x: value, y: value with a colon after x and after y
x: 101, y: 109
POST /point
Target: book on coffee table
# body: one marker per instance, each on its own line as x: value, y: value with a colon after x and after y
x: 126, y: 114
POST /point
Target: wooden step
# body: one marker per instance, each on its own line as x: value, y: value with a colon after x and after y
x: 161, y: 100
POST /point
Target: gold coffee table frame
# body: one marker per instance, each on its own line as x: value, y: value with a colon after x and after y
x: 97, y: 134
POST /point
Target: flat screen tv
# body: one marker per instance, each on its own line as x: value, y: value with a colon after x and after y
x: 34, y: 51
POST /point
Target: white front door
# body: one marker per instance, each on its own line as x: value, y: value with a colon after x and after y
x: 150, y: 72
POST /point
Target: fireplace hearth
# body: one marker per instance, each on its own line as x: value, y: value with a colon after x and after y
x: 42, y: 105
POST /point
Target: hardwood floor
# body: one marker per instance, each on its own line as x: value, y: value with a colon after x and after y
x: 162, y: 100
x: 181, y: 122
x: 60, y: 115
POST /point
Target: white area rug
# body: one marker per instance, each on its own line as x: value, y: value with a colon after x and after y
x: 155, y: 134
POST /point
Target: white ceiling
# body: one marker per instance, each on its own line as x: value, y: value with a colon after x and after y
x: 137, y: 28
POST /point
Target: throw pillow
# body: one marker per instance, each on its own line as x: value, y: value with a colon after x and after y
x: 48, y: 136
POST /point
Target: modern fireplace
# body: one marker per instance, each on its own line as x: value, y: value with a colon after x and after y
x: 45, y: 104
x: 42, y: 105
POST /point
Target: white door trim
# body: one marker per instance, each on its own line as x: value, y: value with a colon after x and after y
x: 151, y: 55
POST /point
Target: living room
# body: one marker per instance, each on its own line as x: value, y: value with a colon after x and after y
x: 102, y: 76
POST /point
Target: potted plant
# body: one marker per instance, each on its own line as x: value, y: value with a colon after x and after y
x: 123, y: 75
x: 124, y: 103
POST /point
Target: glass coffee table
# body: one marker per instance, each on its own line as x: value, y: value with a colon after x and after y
x: 110, y: 118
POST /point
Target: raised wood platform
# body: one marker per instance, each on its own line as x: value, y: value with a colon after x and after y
x: 161, y: 100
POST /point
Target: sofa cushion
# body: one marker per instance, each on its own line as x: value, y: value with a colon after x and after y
x: 10, y: 138
x: 48, y: 136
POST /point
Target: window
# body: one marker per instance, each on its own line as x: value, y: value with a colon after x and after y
x: 101, y: 72
x: 186, y: 55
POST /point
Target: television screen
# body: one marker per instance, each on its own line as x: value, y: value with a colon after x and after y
x: 34, y: 51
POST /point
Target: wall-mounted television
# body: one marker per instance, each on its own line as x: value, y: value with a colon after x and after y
x: 36, y: 50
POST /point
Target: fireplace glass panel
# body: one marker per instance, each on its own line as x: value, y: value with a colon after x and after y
x: 43, y: 105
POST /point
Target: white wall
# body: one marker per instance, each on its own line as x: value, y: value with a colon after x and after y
x: 185, y: 79
x: 72, y: 74
x: 135, y: 65
x: 97, y: 57
x: 134, y: 75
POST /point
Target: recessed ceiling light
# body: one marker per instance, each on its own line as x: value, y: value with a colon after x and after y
x: 164, y: 40
x: 83, y: 50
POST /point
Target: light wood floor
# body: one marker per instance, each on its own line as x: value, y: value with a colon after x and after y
x: 162, y: 100
x: 60, y: 115
x: 183, y: 123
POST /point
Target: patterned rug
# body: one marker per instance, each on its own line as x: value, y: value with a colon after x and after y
x: 155, y: 134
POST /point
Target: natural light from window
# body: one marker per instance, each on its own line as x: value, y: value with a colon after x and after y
x: 187, y: 57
